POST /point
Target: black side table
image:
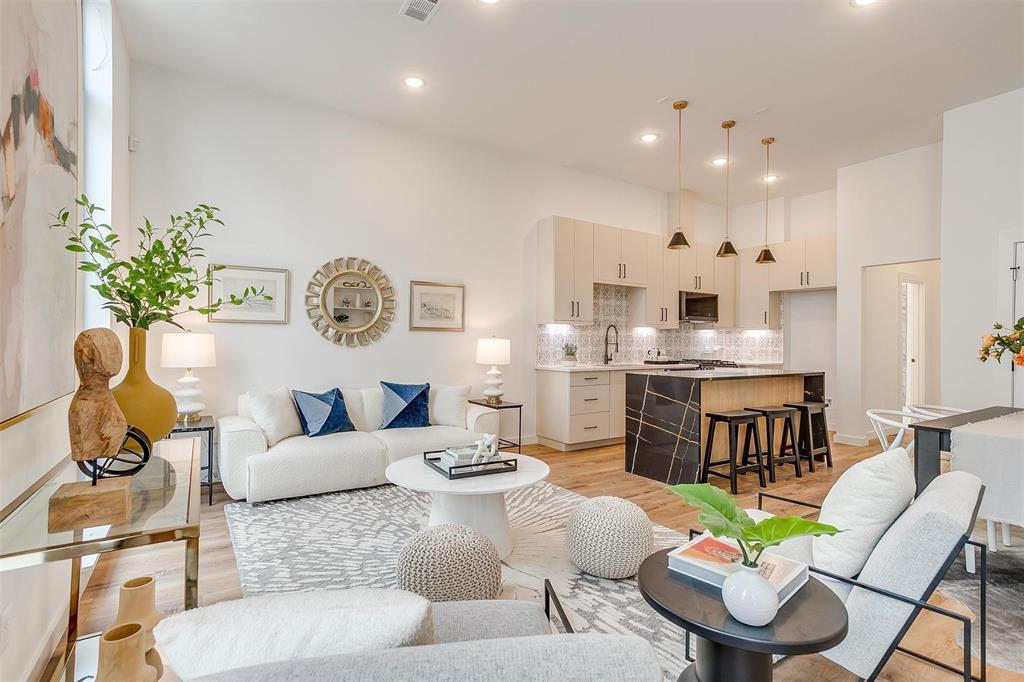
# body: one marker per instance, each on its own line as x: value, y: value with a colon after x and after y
x: 207, y: 424
x: 506, y: 405
x: 813, y: 620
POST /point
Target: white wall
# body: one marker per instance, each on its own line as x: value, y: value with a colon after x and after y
x: 881, y: 340
x: 300, y: 185
x: 812, y: 214
x: 982, y: 214
x: 887, y: 212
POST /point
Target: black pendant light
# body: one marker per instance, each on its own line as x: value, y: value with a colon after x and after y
x: 766, y: 255
x: 727, y: 250
x: 678, y: 240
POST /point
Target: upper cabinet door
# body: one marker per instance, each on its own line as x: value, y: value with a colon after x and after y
x: 788, y: 272
x: 705, y: 267
x: 654, y: 309
x: 820, y: 271
x: 634, y: 257
x: 687, y: 268
x: 752, y: 296
x: 725, y: 287
x: 607, y: 253
x: 563, y: 260
x: 583, y: 271
x: 670, y: 291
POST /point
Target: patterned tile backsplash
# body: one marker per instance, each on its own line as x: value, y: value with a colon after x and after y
x: 611, y: 306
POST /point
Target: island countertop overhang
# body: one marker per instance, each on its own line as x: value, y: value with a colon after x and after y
x: 728, y: 373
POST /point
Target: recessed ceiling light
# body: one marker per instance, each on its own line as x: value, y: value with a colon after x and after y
x: 489, y: 2
x: 415, y: 82
x: 770, y: 178
x: 720, y: 161
x: 862, y: 3
x: 648, y: 137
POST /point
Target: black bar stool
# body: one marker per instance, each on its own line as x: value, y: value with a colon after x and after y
x: 806, y: 442
x: 787, y: 453
x: 734, y: 419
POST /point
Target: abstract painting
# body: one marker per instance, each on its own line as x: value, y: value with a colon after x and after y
x: 39, y: 102
x: 437, y: 307
x: 235, y: 279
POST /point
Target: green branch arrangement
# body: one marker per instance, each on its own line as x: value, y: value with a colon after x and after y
x: 153, y: 285
x: 1012, y: 342
x: 720, y: 514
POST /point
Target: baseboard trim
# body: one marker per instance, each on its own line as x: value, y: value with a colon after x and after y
x: 570, y: 447
x: 847, y: 439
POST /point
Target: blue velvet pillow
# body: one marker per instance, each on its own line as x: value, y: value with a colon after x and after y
x: 322, y: 413
x: 405, y: 405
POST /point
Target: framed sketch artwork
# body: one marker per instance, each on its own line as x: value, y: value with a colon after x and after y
x: 235, y: 279
x: 437, y: 307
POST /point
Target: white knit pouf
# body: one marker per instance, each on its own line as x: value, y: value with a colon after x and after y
x: 450, y: 563
x: 609, y: 537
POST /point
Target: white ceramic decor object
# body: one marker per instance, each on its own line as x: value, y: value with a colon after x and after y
x: 750, y: 598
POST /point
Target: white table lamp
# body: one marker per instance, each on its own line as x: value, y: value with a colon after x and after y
x: 188, y: 351
x: 493, y: 352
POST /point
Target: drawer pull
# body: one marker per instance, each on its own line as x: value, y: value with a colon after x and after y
x: 589, y: 400
x: 591, y: 378
x: 587, y: 428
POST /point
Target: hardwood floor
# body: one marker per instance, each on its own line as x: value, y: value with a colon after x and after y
x: 598, y: 471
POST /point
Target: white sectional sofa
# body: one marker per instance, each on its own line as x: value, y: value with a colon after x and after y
x: 300, y: 465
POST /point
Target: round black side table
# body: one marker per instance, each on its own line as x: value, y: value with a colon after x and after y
x: 813, y: 620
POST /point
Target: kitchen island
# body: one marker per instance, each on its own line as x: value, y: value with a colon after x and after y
x: 666, y: 421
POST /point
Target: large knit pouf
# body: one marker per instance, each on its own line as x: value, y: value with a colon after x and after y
x: 450, y: 563
x: 609, y: 537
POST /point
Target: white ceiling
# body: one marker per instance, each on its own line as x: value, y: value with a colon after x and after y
x: 576, y: 82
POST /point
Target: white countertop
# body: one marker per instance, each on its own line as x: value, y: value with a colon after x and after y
x: 634, y: 366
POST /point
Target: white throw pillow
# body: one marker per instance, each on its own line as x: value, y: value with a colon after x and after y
x: 447, y: 405
x: 864, y: 502
x: 295, y: 625
x: 274, y: 412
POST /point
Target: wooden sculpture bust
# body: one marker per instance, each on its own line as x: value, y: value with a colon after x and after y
x: 96, y: 423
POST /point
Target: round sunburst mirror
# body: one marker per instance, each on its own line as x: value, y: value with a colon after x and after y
x: 350, y: 301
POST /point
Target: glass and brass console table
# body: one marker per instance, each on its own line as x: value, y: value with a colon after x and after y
x: 165, y: 503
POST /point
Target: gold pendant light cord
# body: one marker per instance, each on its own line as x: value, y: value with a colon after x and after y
x: 679, y: 170
x: 767, y: 165
x: 728, y: 168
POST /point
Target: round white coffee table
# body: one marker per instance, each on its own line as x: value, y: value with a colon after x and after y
x: 477, y: 502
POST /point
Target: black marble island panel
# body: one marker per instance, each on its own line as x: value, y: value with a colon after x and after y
x: 664, y: 415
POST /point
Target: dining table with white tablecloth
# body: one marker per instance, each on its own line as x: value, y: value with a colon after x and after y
x: 993, y: 450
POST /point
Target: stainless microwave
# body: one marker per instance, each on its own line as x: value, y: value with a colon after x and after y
x: 696, y: 306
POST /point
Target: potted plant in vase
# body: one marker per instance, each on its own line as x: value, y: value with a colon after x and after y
x: 569, y: 354
x: 155, y: 285
x: 995, y: 344
x: 748, y: 596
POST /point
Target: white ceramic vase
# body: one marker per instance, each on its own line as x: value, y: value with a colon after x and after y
x: 750, y: 598
x: 569, y: 361
x: 123, y: 656
x: 137, y: 604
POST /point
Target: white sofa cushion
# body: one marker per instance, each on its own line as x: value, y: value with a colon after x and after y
x: 308, y: 466
x: 365, y: 407
x: 292, y: 626
x: 402, y: 443
x: 863, y: 503
x: 447, y: 405
x: 275, y: 414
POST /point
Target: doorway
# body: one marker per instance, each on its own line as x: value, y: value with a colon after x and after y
x: 912, y: 348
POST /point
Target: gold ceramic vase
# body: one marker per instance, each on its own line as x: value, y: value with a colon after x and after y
x: 145, y: 405
x: 137, y: 604
x: 123, y: 656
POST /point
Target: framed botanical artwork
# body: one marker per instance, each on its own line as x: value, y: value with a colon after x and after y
x: 437, y: 307
x: 235, y: 279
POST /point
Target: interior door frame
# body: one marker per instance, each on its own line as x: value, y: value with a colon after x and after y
x: 922, y: 354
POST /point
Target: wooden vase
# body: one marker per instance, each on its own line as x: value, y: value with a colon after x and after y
x: 137, y: 604
x: 146, y: 405
x: 123, y: 656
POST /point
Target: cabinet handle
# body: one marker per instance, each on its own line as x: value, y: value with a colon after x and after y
x: 623, y: 271
x: 695, y: 281
x: 591, y: 378
x: 589, y: 400
x: 766, y: 317
x: 587, y: 428
x: 577, y: 308
x: 700, y: 285
x: 801, y: 278
x: 808, y: 278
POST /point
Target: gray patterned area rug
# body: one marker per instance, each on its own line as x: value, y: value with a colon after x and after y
x: 352, y: 539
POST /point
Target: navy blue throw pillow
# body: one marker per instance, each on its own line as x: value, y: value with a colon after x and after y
x: 322, y: 413
x: 405, y: 405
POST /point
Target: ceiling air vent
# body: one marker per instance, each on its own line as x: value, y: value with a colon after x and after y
x: 420, y: 10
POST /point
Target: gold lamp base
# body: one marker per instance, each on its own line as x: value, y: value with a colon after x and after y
x: 493, y: 400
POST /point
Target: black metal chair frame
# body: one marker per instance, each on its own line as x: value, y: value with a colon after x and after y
x: 551, y: 597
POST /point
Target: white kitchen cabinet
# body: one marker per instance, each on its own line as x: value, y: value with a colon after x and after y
x: 620, y: 256
x: 725, y: 287
x: 617, y: 404
x: 565, y: 271
x: 656, y: 305
x: 756, y: 306
x: 820, y: 269
x: 574, y: 408
x: 787, y: 273
x: 697, y: 268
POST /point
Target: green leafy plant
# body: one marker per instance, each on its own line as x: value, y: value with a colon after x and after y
x: 720, y: 514
x: 153, y: 285
x: 1012, y: 342
x: 569, y: 350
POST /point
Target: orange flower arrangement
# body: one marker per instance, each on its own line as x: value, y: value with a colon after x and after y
x: 995, y: 344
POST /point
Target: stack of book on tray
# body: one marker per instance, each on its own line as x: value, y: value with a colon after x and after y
x: 459, y: 456
x: 712, y: 560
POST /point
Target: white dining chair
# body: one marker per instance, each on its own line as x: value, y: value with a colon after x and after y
x: 934, y: 411
x: 883, y: 421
